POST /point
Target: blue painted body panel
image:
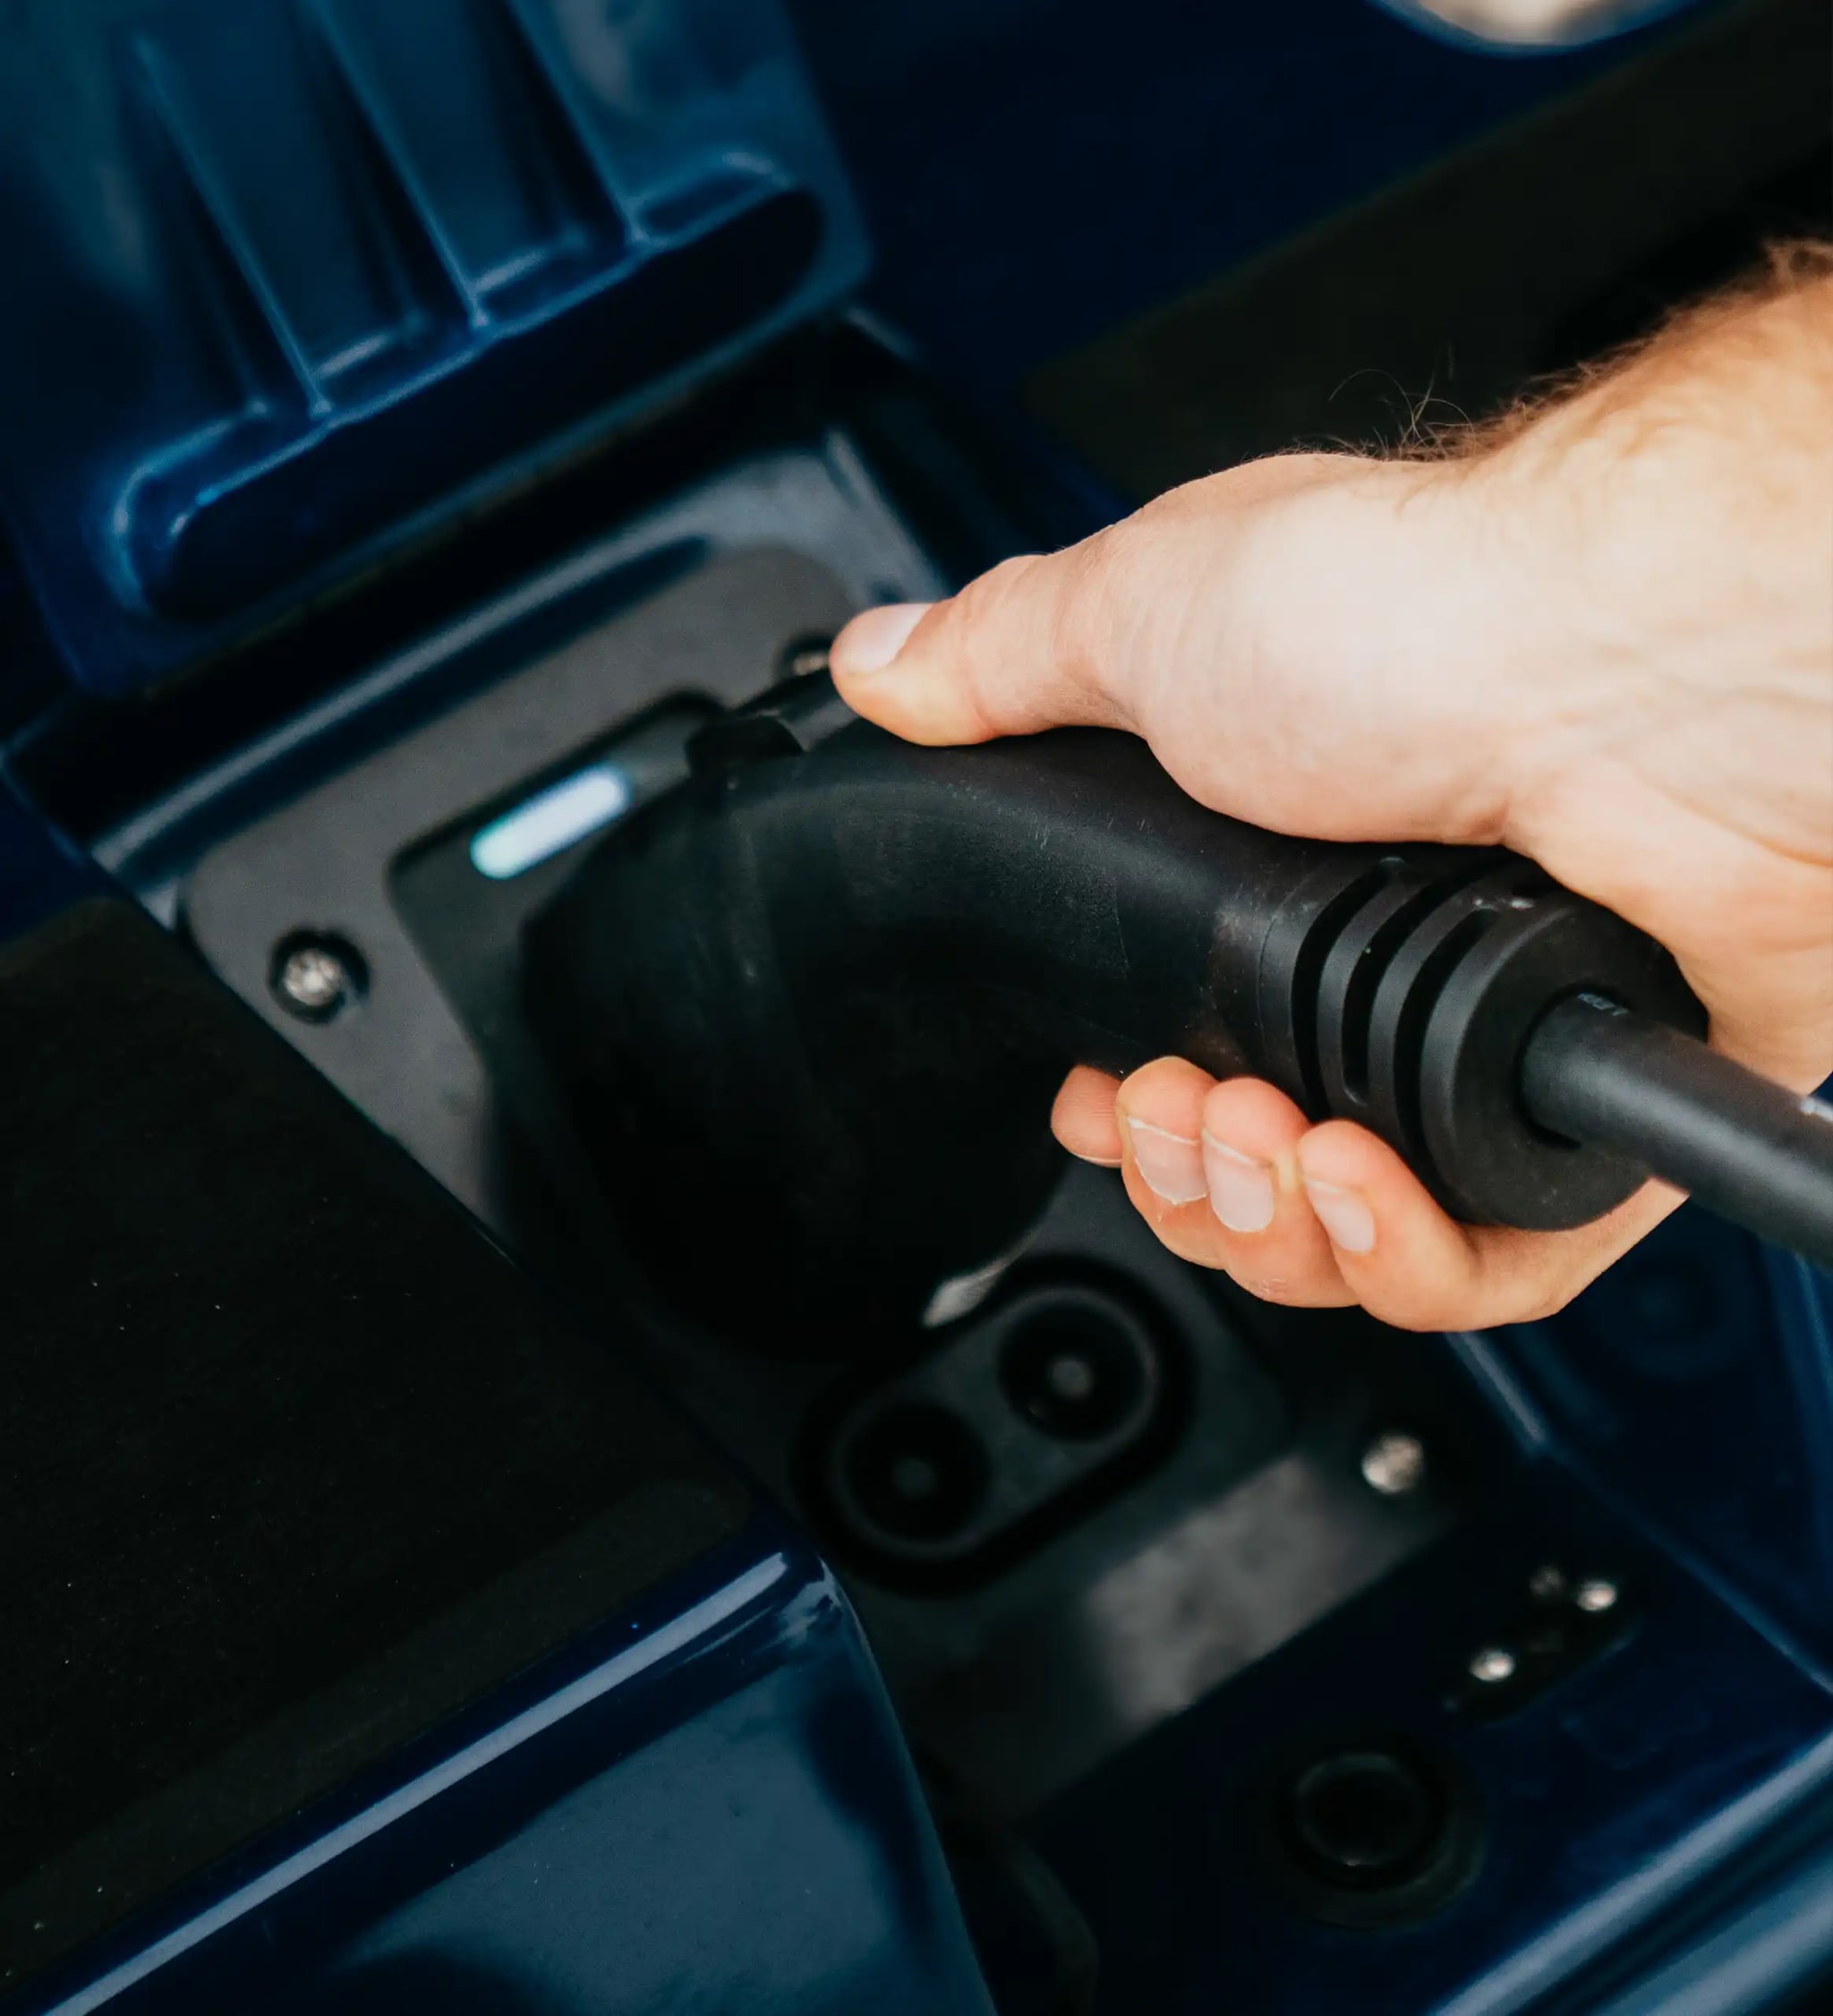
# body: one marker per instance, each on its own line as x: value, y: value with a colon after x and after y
x: 307, y: 282
x: 702, y: 1804
x: 1778, y: 1944
x: 1606, y: 1800
x: 1098, y: 162
x: 1694, y: 1383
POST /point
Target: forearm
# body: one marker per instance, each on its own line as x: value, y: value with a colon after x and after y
x: 1687, y: 488
x: 1672, y: 523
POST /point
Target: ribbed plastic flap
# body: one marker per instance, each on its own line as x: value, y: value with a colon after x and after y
x: 293, y: 279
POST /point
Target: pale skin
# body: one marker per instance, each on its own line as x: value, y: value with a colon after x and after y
x: 1600, y: 633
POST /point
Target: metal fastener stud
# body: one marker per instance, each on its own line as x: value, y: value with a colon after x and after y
x: 314, y: 978
x: 1493, y: 1665
x: 1595, y: 1595
x: 1394, y: 1464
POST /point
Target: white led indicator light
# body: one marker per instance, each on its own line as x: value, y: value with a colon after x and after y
x: 543, y: 825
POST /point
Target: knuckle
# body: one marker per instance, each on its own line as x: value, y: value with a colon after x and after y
x: 1304, y: 1288
x: 994, y: 591
x: 1290, y: 1294
x: 983, y: 610
x: 977, y: 633
x: 1185, y: 1231
x: 1538, y: 1305
x: 1543, y: 1278
x: 1404, y: 1314
x: 1093, y: 582
x: 1187, y: 1249
x: 1419, y: 1305
x: 1474, y: 1309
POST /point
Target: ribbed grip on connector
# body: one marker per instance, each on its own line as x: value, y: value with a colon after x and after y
x: 1398, y: 988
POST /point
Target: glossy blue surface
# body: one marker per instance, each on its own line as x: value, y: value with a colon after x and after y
x: 705, y: 1805
x: 1778, y: 1944
x: 307, y: 280
x: 1654, y: 1769
x: 1694, y: 1383
x: 1034, y: 172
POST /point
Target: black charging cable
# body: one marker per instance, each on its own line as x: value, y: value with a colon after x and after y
x: 1596, y: 1074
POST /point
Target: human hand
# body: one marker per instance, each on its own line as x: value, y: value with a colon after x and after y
x: 1602, y: 636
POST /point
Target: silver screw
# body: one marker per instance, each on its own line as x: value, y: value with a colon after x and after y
x: 1548, y: 1584
x: 1394, y: 1464
x: 1595, y: 1595
x: 314, y: 982
x: 1492, y: 1665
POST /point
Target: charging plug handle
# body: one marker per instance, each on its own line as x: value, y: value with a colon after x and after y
x: 827, y: 984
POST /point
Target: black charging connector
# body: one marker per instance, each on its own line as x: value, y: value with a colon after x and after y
x: 831, y: 981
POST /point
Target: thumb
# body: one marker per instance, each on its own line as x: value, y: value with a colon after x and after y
x: 1014, y: 651
x: 1307, y: 642
x: 1085, y: 635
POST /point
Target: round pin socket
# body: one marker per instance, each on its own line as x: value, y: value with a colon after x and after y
x: 917, y: 1472
x: 1374, y: 1834
x: 1365, y: 1819
x: 1075, y: 1366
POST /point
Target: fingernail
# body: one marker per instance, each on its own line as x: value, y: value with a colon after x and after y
x: 1343, y: 1214
x: 871, y: 641
x: 1240, y: 1186
x: 1171, y: 1164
